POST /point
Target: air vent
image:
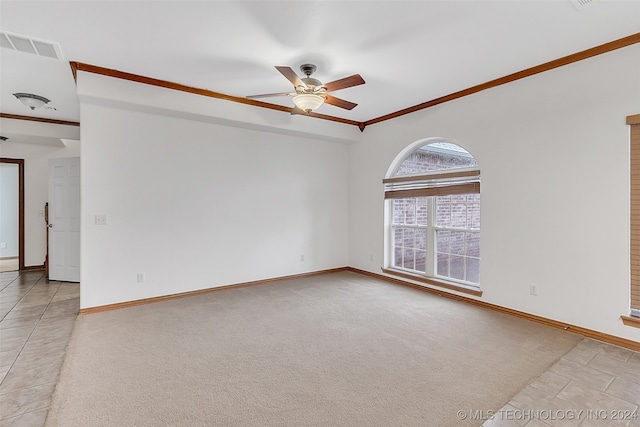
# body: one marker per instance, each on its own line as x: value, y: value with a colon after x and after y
x: 581, y: 4
x: 30, y: 45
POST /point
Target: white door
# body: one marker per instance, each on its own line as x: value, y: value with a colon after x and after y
x: 64, y: 219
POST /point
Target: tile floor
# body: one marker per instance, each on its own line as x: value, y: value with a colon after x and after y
x: 595, y: 384
x: 36, y: 319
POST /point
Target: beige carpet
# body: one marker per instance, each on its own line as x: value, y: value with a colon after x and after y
x: 339, y: 349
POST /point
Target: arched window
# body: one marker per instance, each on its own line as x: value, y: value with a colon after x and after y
x: 432, y: 197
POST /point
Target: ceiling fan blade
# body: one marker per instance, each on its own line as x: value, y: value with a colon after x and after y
x: 354, y: 80
x: 340, y: 102
x: 291, y: 76
x: 267, y: 95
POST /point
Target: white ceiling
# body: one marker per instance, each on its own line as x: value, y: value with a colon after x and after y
x: 408, y: 52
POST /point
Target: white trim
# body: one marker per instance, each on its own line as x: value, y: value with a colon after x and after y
x: 397, y: 161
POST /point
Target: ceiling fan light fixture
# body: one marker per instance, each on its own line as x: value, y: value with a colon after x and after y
x: 32, y: 101
x: 308, y: 101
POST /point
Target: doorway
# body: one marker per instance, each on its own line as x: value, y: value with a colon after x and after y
x: 63, y: 256
x: 12, y: 214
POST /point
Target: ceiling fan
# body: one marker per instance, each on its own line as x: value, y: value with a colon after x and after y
x: 311, y: 93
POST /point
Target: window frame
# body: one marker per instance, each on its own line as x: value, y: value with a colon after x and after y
x: 430, y: 229
x: 442, y: 182
x: 466, y: 230
x: 633, y: 319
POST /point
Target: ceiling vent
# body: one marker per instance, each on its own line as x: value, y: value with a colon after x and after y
x: 581, y: 4
x: 30, y: 45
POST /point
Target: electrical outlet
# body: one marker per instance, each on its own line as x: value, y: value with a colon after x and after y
x: 301, y: 258
x: 3, y: 245
x: 101, y: 220
x: 141, y: 278
x: 533, y: 289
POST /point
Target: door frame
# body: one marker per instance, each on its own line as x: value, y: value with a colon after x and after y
x: 20, y: 163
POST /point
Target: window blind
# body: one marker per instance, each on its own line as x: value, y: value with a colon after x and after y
x: 634, y: 152
x: 433, y: 184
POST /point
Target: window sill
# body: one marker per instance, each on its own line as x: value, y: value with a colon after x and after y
x: 433, y: 282
x: 631, y: 321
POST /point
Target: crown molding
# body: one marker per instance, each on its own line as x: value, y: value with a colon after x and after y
x: 560, y: 62
x: 79, y: 66
x: 566, y: 60
x: 38, y: 119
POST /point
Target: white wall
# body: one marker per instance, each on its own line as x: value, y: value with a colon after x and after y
x: 187, y: 194
x: 195, y: 205
x: 36, y: 188
x: 8, y: 210
x: 553, y: 151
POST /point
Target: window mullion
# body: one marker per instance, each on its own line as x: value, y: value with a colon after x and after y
x: 464, y: 256
x: 431, y: 237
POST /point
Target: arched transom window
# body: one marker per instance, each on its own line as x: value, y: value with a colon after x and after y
x: 433, y: 215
